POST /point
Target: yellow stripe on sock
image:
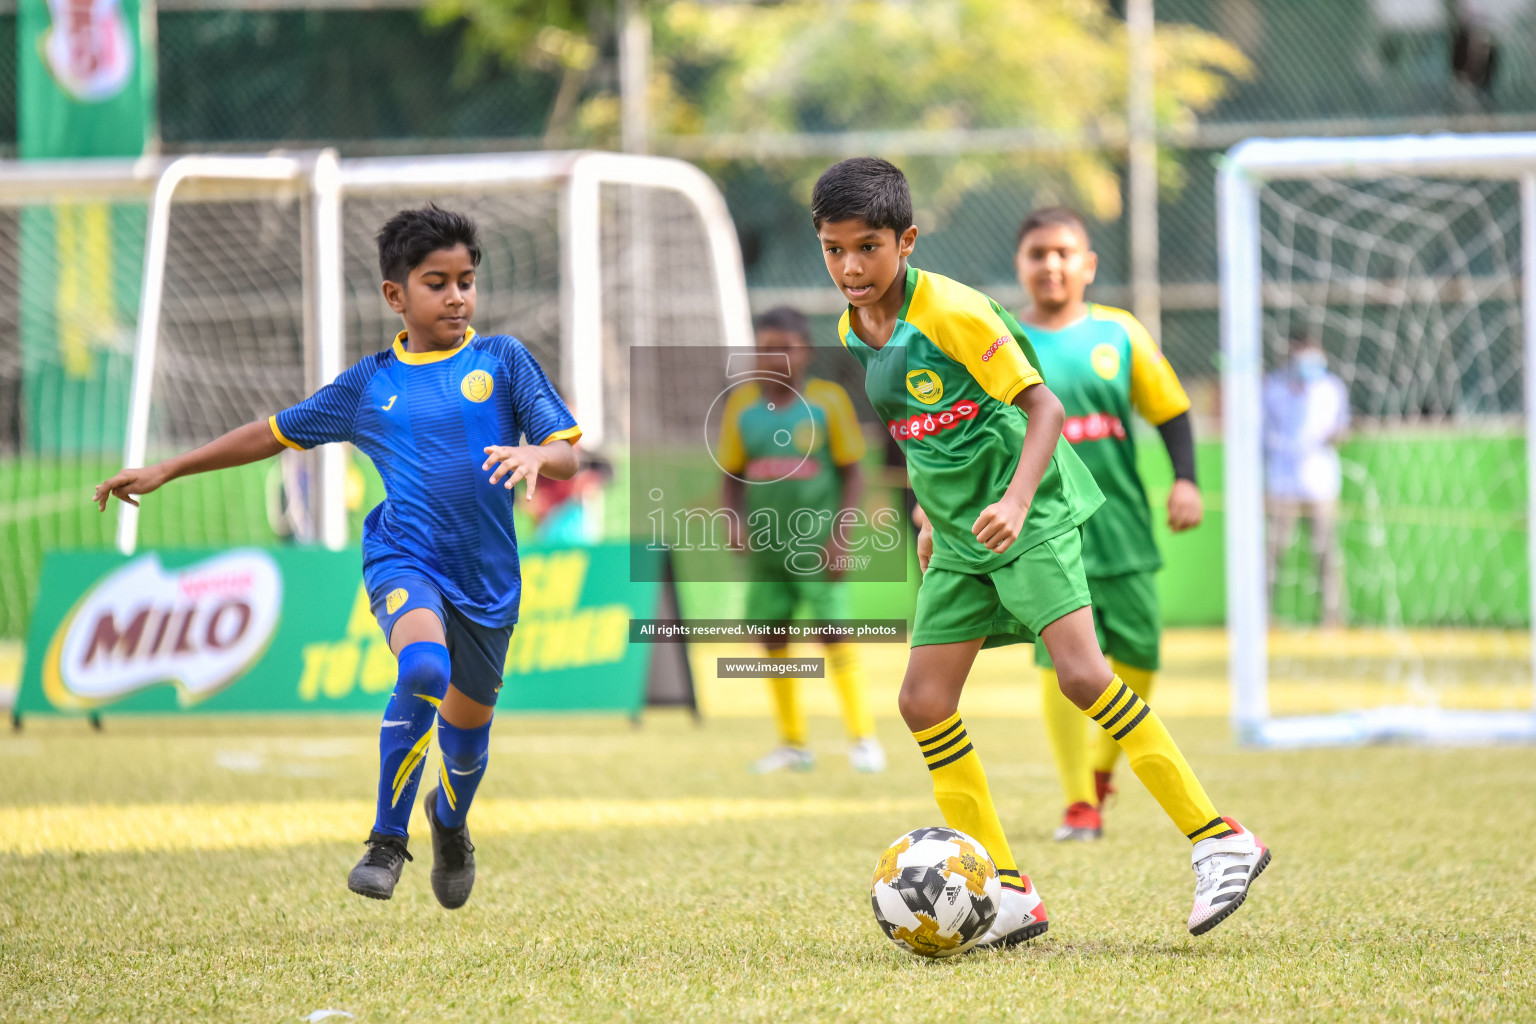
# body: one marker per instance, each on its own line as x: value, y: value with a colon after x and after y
x: 436, y: 702
x: 933, y: 732
x: 413, y: 757
x: 453, y: 800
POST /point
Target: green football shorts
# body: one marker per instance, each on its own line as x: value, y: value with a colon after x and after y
x: 1008, y: 605
x: 1128, y: 619
x: 778, y: 597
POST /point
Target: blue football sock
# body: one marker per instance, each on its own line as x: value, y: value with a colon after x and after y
x: 407, y: 732
x: 465, y: 753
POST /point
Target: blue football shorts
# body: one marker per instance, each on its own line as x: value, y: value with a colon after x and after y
x: 478, y: 653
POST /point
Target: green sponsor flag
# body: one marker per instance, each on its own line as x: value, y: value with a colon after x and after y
x: 85, y: 88
x: 85, y: 84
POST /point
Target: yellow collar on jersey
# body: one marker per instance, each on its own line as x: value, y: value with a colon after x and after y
x: 420, y: 358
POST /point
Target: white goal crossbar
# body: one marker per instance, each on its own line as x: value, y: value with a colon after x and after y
x: 1246, y: 169
x: 328, y: 181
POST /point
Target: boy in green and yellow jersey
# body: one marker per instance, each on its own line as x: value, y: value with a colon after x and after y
x: 956, y: 380
x: 1102, y: 363
x: 790, y: 444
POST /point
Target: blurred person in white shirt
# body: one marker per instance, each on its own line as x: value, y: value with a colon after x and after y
x: 1306, y: 415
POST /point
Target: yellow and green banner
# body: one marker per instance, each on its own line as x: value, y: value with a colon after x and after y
x: 85, y: 87
x: 289, y: 630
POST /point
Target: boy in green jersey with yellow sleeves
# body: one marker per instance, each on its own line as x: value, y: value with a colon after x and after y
x: 790, y: 443
x: 1102, y: 364
x: 955, y: 379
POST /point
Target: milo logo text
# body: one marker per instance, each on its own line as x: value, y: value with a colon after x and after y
x: 197, y: 628
x: 923, y: 424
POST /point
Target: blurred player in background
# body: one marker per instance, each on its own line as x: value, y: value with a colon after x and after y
x: 791, y: 442
x: 1102, y: 364
x: 1306, y: 415
x: 953, y: 375
x: 440, y: 412
x: 567, y: 513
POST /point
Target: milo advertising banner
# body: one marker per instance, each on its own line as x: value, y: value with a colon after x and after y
x: 284, y: 630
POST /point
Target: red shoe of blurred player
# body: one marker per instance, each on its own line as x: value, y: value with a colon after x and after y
x: 1081, y: 823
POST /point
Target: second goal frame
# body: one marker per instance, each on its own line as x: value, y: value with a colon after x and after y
x: 1244, y: 172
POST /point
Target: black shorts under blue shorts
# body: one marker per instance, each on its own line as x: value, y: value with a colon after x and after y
x: 478, y: 653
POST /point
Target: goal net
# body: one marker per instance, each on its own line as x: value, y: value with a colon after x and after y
x: 161, y: 305
x: 1375, y: 330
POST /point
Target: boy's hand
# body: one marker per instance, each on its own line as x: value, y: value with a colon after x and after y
x: 1000, y: 524
x: 924, y: 545
x: 517, y: 462
x: 140, y: 480
x: 1185, y: 507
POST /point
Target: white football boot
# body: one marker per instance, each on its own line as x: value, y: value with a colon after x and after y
x: 1020, y: 917
x: 1224, y: 869
x: 866, y: 755
x: 784, y: 758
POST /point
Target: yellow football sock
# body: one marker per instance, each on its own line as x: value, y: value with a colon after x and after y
x: 1156, y: 760
x: 847, y: 673
x: 1069, y: 740
x: 960, y: 789
x: 786, y: 704
x: 1106, y: 751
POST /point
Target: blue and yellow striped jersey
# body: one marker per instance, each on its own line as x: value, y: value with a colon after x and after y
x: 424, y: 418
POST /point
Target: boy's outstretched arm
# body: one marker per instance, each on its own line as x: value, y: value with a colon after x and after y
x: 1001, y: 522
x: 250, y: 443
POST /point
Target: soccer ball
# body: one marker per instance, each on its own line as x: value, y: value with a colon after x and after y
x: 936, y: 892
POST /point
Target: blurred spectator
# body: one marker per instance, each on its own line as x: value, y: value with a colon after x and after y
x: 1306, y: 414
x: 564, y: 512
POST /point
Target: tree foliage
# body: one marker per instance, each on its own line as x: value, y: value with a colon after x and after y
x: 1055, y: 68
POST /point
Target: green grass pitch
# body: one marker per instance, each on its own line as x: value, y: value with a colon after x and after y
x: 189, y: 870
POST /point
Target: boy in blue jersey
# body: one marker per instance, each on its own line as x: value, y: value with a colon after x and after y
x: 452, y: 421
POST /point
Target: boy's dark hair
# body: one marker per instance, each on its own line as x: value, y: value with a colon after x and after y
x: 407, y: 238
x: 1053, y: 216
x: 784, y: 318
x: 873, y: 190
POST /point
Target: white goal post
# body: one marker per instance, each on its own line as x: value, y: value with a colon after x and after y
x: 588, y: 199
x: 1255, y: 254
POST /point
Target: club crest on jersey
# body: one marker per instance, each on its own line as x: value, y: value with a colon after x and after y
x: 396, y: 598
x: 925, y: 386
x: 477, y: 387
x: 1106, y: 360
